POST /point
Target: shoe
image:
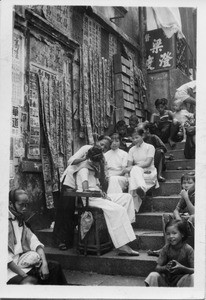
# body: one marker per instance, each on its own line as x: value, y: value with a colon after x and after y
x: 132, y: 253
x: 179, y: 168
x: 140, y: 192
x: 161, y: 179
x: 153, y: 253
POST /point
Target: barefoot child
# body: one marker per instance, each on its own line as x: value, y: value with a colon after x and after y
x: 175, y: 265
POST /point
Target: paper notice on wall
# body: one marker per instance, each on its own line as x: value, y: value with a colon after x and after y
x: 18, y: 69
x: 18, y: 147
x: 15, y: 121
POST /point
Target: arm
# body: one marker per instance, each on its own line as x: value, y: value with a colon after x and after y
x: 16, y: 269
x: 179, y: 207
x: 43, y: 270
x: 190, y: 206
x: 179, y: 268
x: 146, y: 163
x: 79, y: 156
x: 176, y: 214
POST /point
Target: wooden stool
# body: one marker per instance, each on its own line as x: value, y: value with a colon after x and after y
x: 97, y: 239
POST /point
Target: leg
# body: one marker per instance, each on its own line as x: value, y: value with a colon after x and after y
x: 155, y: 279
x: 137, y: 186
x: 186, y: 281
x: 64, y: 221
x: 56, y: 275
x: 158, y: 162
x: 19, y: 280
x: 125, y: 200
x: 117, y: 220
x: 117, y: 184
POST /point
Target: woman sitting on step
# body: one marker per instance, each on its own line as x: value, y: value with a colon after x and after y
x: 118, y: 209
x: 143, y: 174
x: 116, y: 162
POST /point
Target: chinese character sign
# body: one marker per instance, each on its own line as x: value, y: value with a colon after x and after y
x: 159, y: 50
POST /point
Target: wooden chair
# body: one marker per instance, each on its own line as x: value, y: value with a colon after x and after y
x: 97, y: 239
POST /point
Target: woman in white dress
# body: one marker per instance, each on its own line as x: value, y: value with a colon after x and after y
x: 116, y: 162
x: 118, y: 209
x: 143, y: 174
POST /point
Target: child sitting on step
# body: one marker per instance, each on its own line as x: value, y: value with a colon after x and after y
x: 185, y: 208
x: 27, y: 263
x: 175, y: 264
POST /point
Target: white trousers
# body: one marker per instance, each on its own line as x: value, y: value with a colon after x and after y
x: 119, y: 214
x: 140, y: 179
x: 156, y: 279
x: 117, y: 184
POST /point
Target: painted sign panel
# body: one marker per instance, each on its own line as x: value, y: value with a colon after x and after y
x: 159, y: 50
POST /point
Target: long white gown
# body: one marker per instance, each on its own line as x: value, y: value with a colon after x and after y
x: 116, y: 161
x: 119, y: 213
x: 139, y: 176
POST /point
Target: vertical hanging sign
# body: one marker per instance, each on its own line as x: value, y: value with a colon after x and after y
x: 34, y: 140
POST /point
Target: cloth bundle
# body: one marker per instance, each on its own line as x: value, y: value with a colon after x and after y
x: 29, y: 259
x: 86, y: 223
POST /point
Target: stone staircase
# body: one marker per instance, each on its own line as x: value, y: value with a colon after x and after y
x: 148, y: 229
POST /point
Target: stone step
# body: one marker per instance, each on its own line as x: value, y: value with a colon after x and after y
x: 145, y: 239
x: 174, y: 174
x: 149, y: 239
x: 148, y: 221
x: 83, y: 278
x: 177, y: 147
x: 167, y: 188
x: 109, y: 263
x: 177, y: 153
x: 183, y: 163
x: 159, y: 204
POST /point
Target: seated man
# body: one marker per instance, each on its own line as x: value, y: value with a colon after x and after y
x: 118, y: 209
x: 27, y: 262
x: 116, y: 162
x: 65, y: 207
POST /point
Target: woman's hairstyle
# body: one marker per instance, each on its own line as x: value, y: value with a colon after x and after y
x: 181, y: 226
x: 162, y: 101
x: 134, y: 117
x: 104, y: 137
x: 115, y: 136
x: 187, y: 176
x: 138, y: 130
x: 13, y: 194
x: 120, y: 123
x: 95, y: 154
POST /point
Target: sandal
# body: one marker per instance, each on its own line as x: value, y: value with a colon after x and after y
x: 62, y: 247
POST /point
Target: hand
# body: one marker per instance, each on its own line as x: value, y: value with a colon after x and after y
x: 104, y: 195
x: 184, y: 194
x: 44, y: 271
x: 176, y: 267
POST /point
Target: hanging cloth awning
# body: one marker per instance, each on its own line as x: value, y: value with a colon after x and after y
x: 167, y: 18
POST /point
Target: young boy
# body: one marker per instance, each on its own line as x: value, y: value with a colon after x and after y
x: 116, y: 162
x: 187, y: 201
x: 27, y: 263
